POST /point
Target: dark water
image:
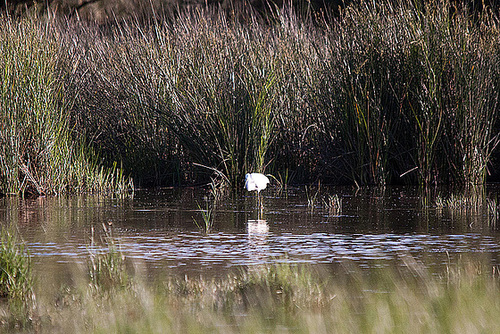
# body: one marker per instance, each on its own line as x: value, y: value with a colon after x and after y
x: 156, y: 230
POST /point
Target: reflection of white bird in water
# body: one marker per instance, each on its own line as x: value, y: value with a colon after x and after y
x: 257, y: 227
x: 258, y: 234
x: 256, y: 181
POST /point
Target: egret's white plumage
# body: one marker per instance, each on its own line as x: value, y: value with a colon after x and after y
x: 256, y: 181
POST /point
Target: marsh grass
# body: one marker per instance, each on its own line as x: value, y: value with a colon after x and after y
x: 207, y: 216
x: 288, y: 297
x: 16, y: 279
x: 222, y: 104
x: 106, y: 266
x: 38, y: 153
x: 467, y: 207
x: 401, y: 69
x: 333, y: 203
x: 461, y: 202
x: 17, y: 296
x: 316, y: 196
x: 312, y: 194
x: 473, y: 199
x: 217, y: 191
x: 385, y: 92
x: 493, y: 209
x: 263, y: 298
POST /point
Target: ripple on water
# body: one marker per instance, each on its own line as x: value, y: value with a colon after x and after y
x: 238, y: 249
x: 159, y: 230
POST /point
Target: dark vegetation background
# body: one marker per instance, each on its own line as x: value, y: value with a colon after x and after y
x: 104, y: 10
x: 179, y: 92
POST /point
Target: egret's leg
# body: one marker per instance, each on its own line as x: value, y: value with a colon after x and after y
x: 261, y: 211
x: 259, y: 205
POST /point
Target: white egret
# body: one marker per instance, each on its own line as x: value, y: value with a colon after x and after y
x: 256, y: 181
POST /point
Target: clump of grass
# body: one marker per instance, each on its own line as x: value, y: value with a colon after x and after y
x: 440, y: 202
x: 393, y: 71
x: 106, y: 267
x: 472, y: 199
x: 34, y: 124
x: 468, y: 208
x: 222, y: 94
x: 312, y: 196
x: 17, y: 296
x: 38, y: 153
x: 207, y: 215
x: 296, y: 298
x: 218, y: 188
x: 333, y: 203
x: 16, y: 278
x: 493, y: 208
x: 280, y: 286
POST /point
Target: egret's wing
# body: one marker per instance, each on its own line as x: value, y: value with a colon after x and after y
x: 251, y: 186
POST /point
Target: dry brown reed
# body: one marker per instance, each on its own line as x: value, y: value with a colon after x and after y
x: 386, y: 92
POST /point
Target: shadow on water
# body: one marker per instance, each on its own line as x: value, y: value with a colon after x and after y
x: 373, y: 228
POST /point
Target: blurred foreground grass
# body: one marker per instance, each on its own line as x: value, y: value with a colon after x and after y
x: 280, y: 297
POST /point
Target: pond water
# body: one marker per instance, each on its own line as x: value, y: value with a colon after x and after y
x: 156, y: 230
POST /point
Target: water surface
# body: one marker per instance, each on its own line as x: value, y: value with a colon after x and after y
x: 156, y: 230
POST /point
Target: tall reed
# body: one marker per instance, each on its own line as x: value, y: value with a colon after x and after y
x: 386, y: 92
x: 38, y: 152
x: 364, y: 65
x: 414, y: 92
x: 455, y: 104
x: 222, y: 102
x: 32, y: 109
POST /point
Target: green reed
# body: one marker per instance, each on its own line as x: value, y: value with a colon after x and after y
x: 221, y: 105
x: 33, y: 119
x: 386, y: 92
x: 17, y: 293
x: 362, y: 63
x: 204, y: 89
x: 456, y: 98
x: 16, y: 278
x: 415, y: 92
x: 106, y: 267
x: 39, y: 154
